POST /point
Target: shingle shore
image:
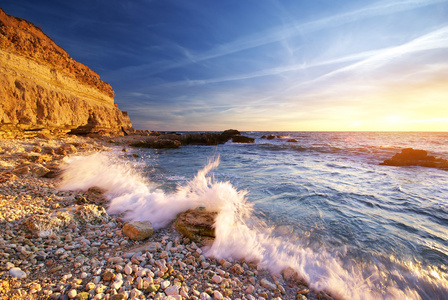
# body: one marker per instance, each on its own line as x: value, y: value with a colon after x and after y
x: 63, y: 245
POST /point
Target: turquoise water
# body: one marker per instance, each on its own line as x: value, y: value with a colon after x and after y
x: 322, y: 205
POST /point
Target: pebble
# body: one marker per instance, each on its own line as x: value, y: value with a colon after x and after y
x: 17, y: 273
x: 172, y: 290
x: 72, y: 294
x: 267, y: 284
x: 217, y: 279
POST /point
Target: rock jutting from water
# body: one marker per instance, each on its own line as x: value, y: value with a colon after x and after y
x: 414, y: 157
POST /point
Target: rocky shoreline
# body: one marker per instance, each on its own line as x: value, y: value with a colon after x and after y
x: 63, y: 245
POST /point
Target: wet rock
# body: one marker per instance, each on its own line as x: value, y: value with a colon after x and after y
x: 139, y: 230
x: 292, y: 141
x: 270, y: 137
x: 238, y: 269
x: 45, y: 225
x: 91, y: 213
x: 413, y: 157
x: 197, y: 225
x: 38, y: 170
x: 165, y: 143
x: 242, y: 139
x: 67, y: 149
x: 291, y: 276
x: 267, y: 284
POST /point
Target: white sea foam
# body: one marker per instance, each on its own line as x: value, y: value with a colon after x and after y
x: 240, y: 234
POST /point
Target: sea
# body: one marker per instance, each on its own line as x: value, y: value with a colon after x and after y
x: 321, y: 205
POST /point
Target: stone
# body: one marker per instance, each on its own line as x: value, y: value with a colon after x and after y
x: 238, y: 269
x: 72, y: 293
x: 91, y: 213
x: 197, y: 225
x: 119, y: 296
x: 267, y: 284
x: 165, y: 143
x: 205, y: 296
x: 116, y: 285
x: 17, y: 273
x: 127, y: 269
x: 242, y: 139
x: 108, y: 276
x: 217, y: 279
x: 413, y: 157
x: 172, y: 290
x: 90, y: 286
x: 291, y: 276
x: 217, y: 295
x: 44, y: 225
x: 82, y: 296
x: 292, y: 141
x: 165, y: 284
x: 152, y: 288
x: 139, y: 230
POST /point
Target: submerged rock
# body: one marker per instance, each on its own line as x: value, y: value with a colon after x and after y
x: 414, y: 157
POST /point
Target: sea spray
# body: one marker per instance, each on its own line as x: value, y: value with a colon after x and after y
x: 240, y: 234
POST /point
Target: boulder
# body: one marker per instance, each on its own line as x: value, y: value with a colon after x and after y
x: 270, y: 137
x: 229, y: 133
x: 91, y: 213
x: 139, y: 230
x: 157, y: 143
x: 414, y: 157
x: 45, y: 225
x: 292, y: 141
x: 165, y: 143
x: 197, y: 225
x: 242, y: 139
x: 38, y: 170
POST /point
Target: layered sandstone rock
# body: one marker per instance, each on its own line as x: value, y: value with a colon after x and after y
x: 43, y: 89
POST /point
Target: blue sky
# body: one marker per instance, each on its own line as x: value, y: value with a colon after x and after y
x: 261, y: 64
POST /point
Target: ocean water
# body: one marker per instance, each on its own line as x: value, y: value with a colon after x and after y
x: 322, y: 205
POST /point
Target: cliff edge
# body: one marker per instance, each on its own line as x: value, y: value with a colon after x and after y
x: 42, y: 89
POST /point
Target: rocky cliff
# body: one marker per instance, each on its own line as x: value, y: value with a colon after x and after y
x: 42, y: 89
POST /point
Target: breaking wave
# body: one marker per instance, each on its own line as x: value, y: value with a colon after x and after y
x: 242, y: 234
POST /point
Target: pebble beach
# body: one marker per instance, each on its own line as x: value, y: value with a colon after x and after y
x: 64, y: 245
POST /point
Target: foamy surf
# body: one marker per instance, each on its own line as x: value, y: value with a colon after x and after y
x: 242, y: 235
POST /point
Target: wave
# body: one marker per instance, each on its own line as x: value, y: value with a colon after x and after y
x: 241, y: 233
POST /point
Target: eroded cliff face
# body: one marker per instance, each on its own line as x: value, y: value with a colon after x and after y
x: 43, y: 89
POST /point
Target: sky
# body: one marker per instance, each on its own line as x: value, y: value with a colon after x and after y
x: 257, y: 65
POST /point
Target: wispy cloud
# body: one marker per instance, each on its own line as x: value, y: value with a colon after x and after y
x: 278, y: 34
x: 434, y: 40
